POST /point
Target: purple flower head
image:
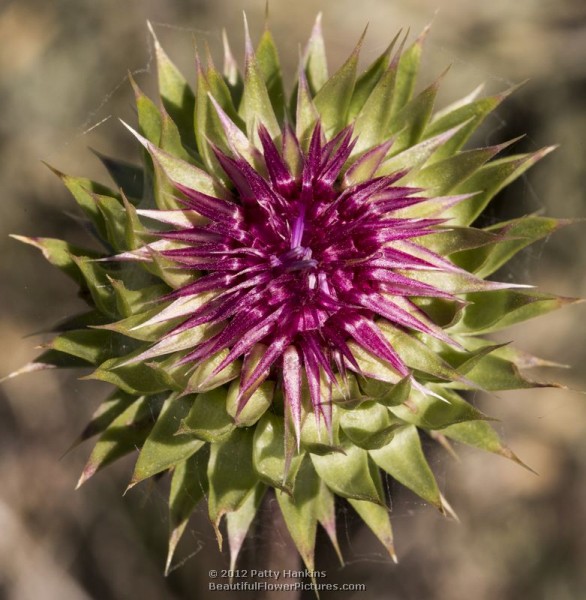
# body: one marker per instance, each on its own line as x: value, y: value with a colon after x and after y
x: 302, y: 266
x: 291, y: 269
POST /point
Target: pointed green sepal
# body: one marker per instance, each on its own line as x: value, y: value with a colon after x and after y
x: 176, y: 95
x: 208, y: 419
x: 123, y: 435
x: 127, y: 177
x: 468, y: 113
x: 332, y: 101
x: 238, y: 522
x: 60, y: 254
x: 163, y: 449
x: 494, y: 310
x: 350, y: 474
x: 378, y: 520
x: 314, y: 58
x: 256, y: 107
x: 369, y: 425
x: 107, y: 411
x: 430, y: 412
x: 231, y: 476
x: 300, y: 511
x: 480, y: 434
x: 489, y: 180
x: 403, y: 459
x: 511, y: 237
x: 326, y: 515
x: 269, y: 66
x: 189, y: 485
x: 269, y: 459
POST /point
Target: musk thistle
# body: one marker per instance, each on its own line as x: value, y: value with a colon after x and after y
x: 292, y: 289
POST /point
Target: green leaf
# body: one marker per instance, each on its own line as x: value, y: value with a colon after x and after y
x: 171, y: 138
x: 333, y: 99
x: 470, y: 115
x: 373, y: 121
x: 180, y: 171
x: 256, y: 404
x: 124, y: 434
x: 134, y: 302
x: 203, y: 379
x: 409, y: 123
x: 208, y: 419
x: 128, y: 177
x: 494, y: 373
x: 231, y: 475
x: 455, y: 239
x: 429, y: 412
x: 164, y: 192
x: 452, y: 282
x: 269, y: 454
x: 306, y: 116
x: 316, y: 437
x: 238, y: 522
x: 131, y: 326
x: 378, y: 520
x: 135, y: 233
x: 511, y: 237
x: 177, y: 96
x: 480, y: 434
x: 166, y: 270
x: 350, y: 474
x: 368, y: 425
x: 220, y: 91
x: 316, y: 64
x: 164, y: 449
x: 326, y: 515
x: 174, y: 342
x: 372, y: 366
x: 208, y: 125
x: 92, y: 345
x: 467, y: 360
x: 256, y: 106
x: 414, y: 156
x: 385, y: 394
x: 403, y: 459
x: 489, y: 180
x: 188, y: 486
x: 269, y: 66
x: 149, y: 116
x: 443, y: 313
x: 407, y: 73
x: 60, y: 254
x: 416, y: 354
x: 491, y: 311
x: 107, y: 411
x: 98, y: 283
x: 444, y: 176
x: 367, y: 82
x: 114, y: 215
x: 82, y: 190
x: 231, y: 73
x: 300, y: 511
x: 134, y: 379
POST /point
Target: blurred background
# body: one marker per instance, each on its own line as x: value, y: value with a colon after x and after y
x: 63, y: 84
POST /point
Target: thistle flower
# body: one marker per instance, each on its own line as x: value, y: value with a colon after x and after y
x: 290, y: 291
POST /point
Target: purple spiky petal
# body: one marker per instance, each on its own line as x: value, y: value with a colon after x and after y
x: 302, y: 265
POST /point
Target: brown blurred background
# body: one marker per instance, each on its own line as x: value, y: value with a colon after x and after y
x: 63, y: 84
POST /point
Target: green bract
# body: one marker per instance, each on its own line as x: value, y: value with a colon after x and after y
x: 224, y: 437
